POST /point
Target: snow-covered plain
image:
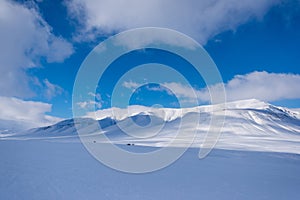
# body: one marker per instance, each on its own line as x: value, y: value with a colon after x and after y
x: 36, y: 169
x: 256, y: 157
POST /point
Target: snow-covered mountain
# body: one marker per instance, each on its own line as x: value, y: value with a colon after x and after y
x: 248, y: 125
x: 10, y: 127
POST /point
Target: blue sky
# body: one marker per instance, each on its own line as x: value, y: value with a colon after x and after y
x: 255, y: 46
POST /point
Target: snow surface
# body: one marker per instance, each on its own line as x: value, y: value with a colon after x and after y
x: 37, y: 169
x: 256, y: 157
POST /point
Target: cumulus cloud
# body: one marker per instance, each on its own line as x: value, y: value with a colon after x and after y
x: 30, y: 113
x: 259, y: 85
x: 199, y: 19
x: 264, y: 86
x: 25, y: 38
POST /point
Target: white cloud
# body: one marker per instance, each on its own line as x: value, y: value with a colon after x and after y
x: 89, y: 104
x: 199, y: 19
x: 25, y: 38
x: 51, y: 90
x: 182, y: 91
x: 296, y: 110
x: 259, y: 85
x: 264, y: 86
x: 97, y: 96
x: 144, y: 37
x: 31, y: 113
x: 131, y: 85
x: 186, y: 94
x: 159, y: 88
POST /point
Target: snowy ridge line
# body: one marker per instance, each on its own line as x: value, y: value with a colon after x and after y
x: 249, y: 125
x: 170, y: 114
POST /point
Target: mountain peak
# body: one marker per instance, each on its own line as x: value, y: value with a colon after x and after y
x: 169, y: 114
x: 247, y: 103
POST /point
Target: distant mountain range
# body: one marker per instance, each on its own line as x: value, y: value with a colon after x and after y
x: 249, y: 125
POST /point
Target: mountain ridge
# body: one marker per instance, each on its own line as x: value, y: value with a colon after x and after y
x: 247, y: 125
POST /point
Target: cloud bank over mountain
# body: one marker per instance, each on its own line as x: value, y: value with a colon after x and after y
x: 259, y: 85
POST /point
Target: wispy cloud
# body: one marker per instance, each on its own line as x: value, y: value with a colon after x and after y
x: 96, y: 95
x: 131, y: 85
x: 159, y: 88
x: 51, y: 90
x: 186, y: 94
x: 199, y: 19
x: 97, y: 103
x: 86, y: 104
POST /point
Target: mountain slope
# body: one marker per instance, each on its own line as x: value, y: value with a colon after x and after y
x: 248, y: 125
